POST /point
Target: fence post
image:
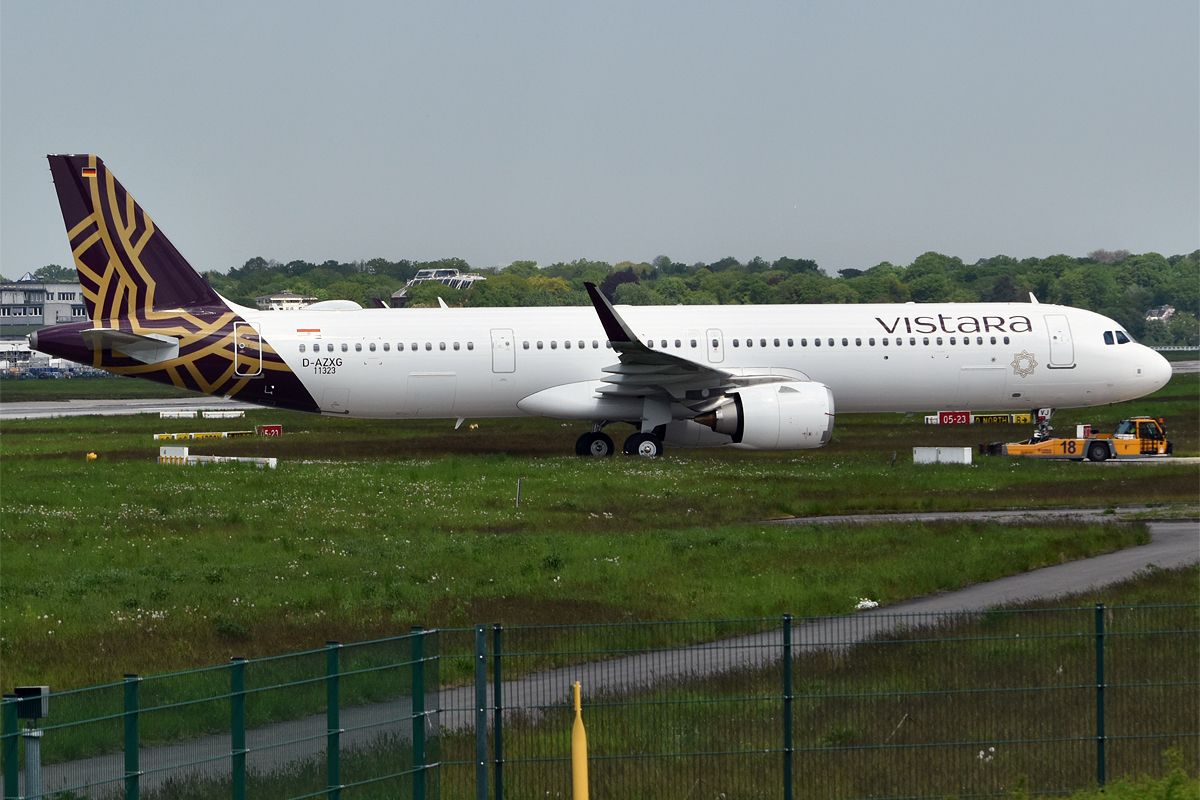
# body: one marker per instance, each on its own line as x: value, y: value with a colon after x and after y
x: 237, y: 727
x: 481, y: 754
x: 417, y: 674
x: 333, y: 720
x: 498, y: 712
x: 1100, y: 754
x: 133, y: 770
x: 12, y: 748
x: 788, y: 744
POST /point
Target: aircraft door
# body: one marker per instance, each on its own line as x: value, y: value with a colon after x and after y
x: 504, y: 356
x: 1062, y: 349
x: 247, y: 351
x: 715, y: 344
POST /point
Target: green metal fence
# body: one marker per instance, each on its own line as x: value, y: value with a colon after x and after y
x: 873, y: 705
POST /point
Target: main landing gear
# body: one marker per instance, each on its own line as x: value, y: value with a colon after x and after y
x: 595, y: 444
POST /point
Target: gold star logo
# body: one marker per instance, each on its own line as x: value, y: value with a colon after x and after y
x: 1023, y: 363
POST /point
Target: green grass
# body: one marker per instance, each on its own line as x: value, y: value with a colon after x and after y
x: 368, y: 527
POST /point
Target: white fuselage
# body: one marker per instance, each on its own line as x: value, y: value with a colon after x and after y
x: 484, y: 362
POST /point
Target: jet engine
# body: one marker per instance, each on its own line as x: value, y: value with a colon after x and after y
x: 794, y: 415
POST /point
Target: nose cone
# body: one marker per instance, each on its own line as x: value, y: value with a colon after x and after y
x: 1157, y: 370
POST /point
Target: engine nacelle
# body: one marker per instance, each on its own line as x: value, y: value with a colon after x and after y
x: 688, y: 433
x: 794, y: 415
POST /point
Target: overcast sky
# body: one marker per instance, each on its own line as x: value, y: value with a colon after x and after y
x: 846, y: 132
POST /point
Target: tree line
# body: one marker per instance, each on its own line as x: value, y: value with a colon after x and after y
x: 1117, y: 284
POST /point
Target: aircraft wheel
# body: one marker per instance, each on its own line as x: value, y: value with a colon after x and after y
x: 594, y: 445
x: 1097, y: 451
x: 646, y: 445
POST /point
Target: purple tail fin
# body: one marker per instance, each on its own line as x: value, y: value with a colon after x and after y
x: 128, y: 268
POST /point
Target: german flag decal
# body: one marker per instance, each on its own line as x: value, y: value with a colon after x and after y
x: 89, y: 172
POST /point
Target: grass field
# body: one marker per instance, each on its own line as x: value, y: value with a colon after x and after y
x: 368, y: 527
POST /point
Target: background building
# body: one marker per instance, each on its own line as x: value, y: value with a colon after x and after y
x: 28, y: 304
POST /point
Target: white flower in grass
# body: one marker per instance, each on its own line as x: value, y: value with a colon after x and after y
x: 865, y: 603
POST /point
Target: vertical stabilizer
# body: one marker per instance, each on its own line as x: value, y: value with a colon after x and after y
x: 128, y: 268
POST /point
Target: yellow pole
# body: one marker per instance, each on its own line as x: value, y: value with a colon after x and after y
x: 579, y: 776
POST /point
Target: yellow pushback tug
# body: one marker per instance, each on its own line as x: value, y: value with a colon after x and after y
x: 1136, y: 437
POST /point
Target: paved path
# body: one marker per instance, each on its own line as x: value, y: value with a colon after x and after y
x: 1172, y: 544
x: 49, y: 409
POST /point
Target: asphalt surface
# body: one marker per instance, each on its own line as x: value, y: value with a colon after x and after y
x: 1173, y: 544
x: 49, y: 409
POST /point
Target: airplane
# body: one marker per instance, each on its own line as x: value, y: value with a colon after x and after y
x: 766, y: 377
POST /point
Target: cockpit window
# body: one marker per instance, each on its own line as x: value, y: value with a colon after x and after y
x: 1124, y: 428
x: 1108, y: 337
x: 1123, y: 338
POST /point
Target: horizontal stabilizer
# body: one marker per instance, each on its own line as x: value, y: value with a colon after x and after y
x: 148, y: 348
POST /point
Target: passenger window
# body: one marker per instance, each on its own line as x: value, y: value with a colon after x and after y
x: 978, y: 340
x: 925, y: 341
x: 346, y: 347
x: 539, y: 345
x: 399, y: 347
x: 371, y: 347
x: 885, y: 341
x: 441, y: 345
x: 650, y: 343
x: 415, y: 347
x: 1006, y: 340
x: 858, y: 342
x: 735, y: 342
x: 595, y: 344
x: 553, y: 344
x: 831, y: 342
x: 845, y: 342
x: 912, y: 340
x: 693, y: 344
x: 777, y: 343
x: 749, y: 343
x: 358, y: 347
x: 716, y: 343
x: 817, y: 342
x: 582, y: 344
x: 871, y: 341
x: 678, y: 344
x: 791, y: 343
x: 762, y: 342
x: 567, y: 344
x: 993, y: 340
x: 953, y: 340
x: 456, y: 346
x: 804, y: 342
x: 302, y: 347
x: 525, y: 345
x: 470, y: 345
x: 429, y: 345
x: 387, y: 347
x: 664, y: 344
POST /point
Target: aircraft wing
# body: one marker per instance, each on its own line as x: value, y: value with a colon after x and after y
x: 645, y: 372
